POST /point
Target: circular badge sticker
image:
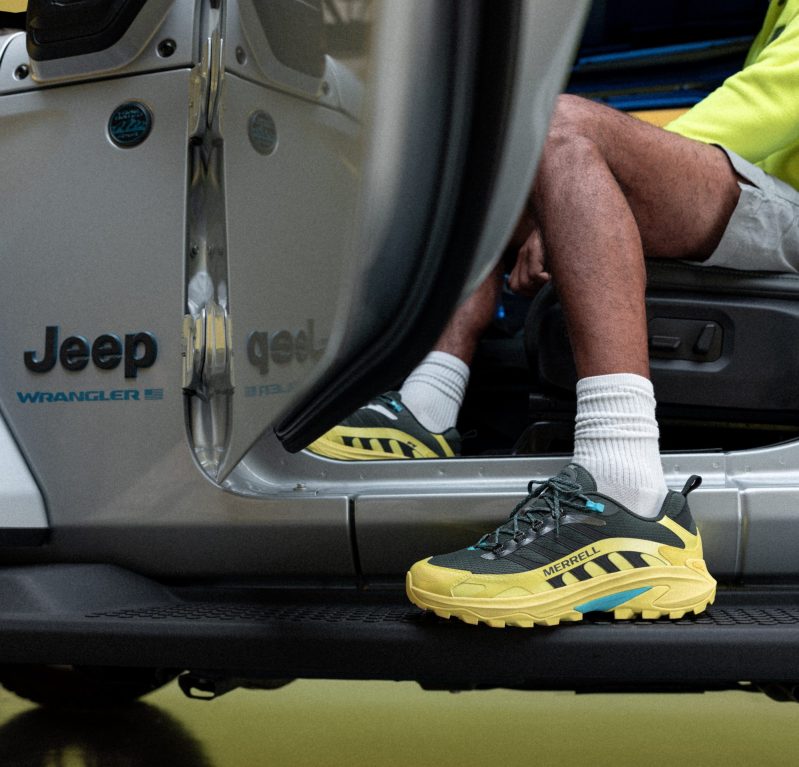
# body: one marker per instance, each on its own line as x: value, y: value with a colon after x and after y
x: 129, y: 124
x: 262, y: 132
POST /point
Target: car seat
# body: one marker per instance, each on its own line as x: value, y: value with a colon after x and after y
x: 721, y: 345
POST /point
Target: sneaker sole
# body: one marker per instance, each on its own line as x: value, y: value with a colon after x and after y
x: 659, y: 592
x: 330, y: 448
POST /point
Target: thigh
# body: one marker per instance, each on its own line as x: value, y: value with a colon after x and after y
x: 682, y: 192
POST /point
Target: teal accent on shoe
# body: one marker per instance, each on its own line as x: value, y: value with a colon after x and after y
x: 609, y: 602
x: 595, y: 506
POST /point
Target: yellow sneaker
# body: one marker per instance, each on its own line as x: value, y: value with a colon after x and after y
x: 567, y: 550
x: 384, y: 429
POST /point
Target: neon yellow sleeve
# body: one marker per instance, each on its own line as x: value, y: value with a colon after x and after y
x: 755, y: 112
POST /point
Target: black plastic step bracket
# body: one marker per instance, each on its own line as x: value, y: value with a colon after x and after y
x: 101, y: 615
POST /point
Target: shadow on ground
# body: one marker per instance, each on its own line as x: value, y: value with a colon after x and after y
x: 138, y: 735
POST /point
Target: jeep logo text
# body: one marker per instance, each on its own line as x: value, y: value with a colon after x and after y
x: 281, y: 347
x: 107, y: 352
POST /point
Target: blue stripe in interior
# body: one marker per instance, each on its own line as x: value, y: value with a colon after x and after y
x: 664, y: 50
x: 611, y: 601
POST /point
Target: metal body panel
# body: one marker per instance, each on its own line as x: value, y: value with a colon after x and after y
x: 290, y: 217
x: 21, y: 503
x: 272, y: 216
x: 204, y: 533
x: 5, y: 41
x: 770, y: 532
x: 768, y: 484
x: 773, y: 465
x: 405, y: 510
x: 396, y: 530
x: 267, y: 465
x: 718, y: 517
x: 104, y: 254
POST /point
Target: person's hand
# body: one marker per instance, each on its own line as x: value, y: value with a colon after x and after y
x: 529, y: 274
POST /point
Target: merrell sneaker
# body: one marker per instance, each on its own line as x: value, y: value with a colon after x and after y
x: 567, y: 550
x: 384, y: 429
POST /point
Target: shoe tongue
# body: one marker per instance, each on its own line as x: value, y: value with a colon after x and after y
x: 576, y: 473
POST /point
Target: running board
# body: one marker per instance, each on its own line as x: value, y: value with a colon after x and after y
x: 101, y: 615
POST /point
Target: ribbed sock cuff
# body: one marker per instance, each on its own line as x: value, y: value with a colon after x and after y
x: 616, y: 439
x: 434, y: 391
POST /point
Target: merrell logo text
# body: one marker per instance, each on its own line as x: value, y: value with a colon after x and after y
x: 569, y: 562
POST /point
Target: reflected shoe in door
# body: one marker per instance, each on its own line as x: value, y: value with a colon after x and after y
x: 384, y: 430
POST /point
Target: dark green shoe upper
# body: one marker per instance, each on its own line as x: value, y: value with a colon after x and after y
x: 403, y: 420
x: 560, y: 515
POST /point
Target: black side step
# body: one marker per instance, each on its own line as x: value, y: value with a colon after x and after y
x: 105, y: 616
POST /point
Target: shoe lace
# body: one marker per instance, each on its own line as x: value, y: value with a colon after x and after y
x: 549, y: 498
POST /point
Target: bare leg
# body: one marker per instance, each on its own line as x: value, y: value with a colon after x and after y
x: 434, y: 391
x: 610, y: 189
x: 471, y: 319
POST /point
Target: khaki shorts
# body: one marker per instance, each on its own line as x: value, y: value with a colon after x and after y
x: 763, y: 232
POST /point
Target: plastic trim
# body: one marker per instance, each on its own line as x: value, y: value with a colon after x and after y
x: 98, y: 615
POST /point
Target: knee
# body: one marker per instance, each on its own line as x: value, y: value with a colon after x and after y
x: 572, y: 130
x: 570, y: 111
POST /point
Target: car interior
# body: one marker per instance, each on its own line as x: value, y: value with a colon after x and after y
x: 717, y: 337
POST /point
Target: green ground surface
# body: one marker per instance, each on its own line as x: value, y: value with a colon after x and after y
x: 384, y: 723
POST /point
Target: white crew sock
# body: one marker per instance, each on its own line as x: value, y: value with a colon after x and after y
x: 434, y: 391
x: 616, y: 439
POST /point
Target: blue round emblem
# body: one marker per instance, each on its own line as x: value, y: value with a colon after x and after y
x: 129, y: 124
x: 263, y: 132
